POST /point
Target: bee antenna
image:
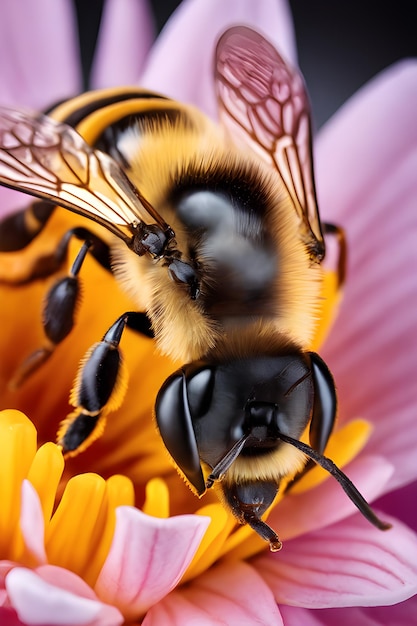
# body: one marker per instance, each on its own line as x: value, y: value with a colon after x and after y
x: 348, y: 487
x: 223, y: 465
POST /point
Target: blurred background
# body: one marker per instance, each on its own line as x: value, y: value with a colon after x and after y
x: 341, y: 44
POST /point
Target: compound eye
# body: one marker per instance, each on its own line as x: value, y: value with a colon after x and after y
x: 176, y: 428
x: 200, y: 391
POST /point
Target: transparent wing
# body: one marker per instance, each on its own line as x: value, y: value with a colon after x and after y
x: 263, y: 101
x: 51, y: 160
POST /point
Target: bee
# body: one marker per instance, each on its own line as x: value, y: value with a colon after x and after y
x: 215, y: 233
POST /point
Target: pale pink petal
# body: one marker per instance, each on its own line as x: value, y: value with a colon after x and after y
x: 39, y: 51
x: 32, y: 523
x: 125, y: 37
x: 230, y: 593
x: 402, y: 614
x: 181, y: 62
x: 347, y: 564
x: 366, y: 173
x: 65, y: 579
x: 11, y: 201
x: 327, y: 503
x: 39, y: 46
x: 40, y: 602
x: 147, y: 558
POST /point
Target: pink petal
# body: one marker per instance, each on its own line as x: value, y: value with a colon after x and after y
x: 366, y: 173
x: 147, y: 558
x: 126, y: 35
x: 403, y: 614
x: 230, y: 593
x: 296, y: 616
x: 327, y: 504
x: 38, y: 45
x: 181, y: 62
x: 32, y: 523
x: 8, y: 617
x: 347, y: 564
x: 40, y: 602
x: 5, y: 567
x: 402, y: 504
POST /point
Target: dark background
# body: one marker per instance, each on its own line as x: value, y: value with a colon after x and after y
x: 341, y: 44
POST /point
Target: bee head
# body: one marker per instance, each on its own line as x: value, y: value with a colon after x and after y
x: 229, y: 416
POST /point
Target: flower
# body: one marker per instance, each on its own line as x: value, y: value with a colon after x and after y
x: 115, y: 563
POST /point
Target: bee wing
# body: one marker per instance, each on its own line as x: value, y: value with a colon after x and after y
x: 264, y: 102
x: 51, y: 160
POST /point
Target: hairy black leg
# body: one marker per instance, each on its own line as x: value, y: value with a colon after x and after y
x: 98, y: 389
x: 59, y: 314
x: 62, y: 299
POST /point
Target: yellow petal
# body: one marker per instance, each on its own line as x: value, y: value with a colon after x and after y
x: 157, y: 498
x: 213, y: 541
x: 330, y: 302
x: 75, y: 531
x: 45, y: 473
x: 17, y: 450
x: 119, y: 493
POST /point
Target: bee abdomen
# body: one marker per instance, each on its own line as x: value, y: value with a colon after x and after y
x: 19, y: 229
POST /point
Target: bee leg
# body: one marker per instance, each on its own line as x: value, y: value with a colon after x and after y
x: 140, y: 323
x: 62, y: 300
x: 58, y: 317
x: 339, y: 234
x: 98, y: 390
